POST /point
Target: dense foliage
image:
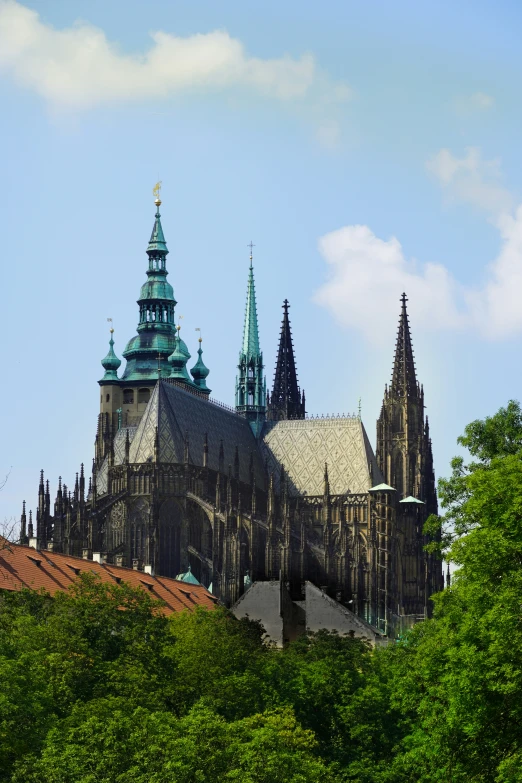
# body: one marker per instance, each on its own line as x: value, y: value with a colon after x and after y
x: 98, y: 687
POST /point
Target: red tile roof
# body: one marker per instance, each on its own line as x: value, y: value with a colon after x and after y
x: 23, y: 566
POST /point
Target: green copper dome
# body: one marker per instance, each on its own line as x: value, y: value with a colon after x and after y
x: 156, y: 288
x: 200, y: 372
x: 111, y: 363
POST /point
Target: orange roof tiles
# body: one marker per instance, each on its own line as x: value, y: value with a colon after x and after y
x: 23, y: 566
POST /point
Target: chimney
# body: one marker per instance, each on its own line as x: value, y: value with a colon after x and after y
x: 148, y: 569
x: 85, y: 554
x: 98, y: 557
x: 118, y: 561
x: 34, y: 543
x: 135, y: 564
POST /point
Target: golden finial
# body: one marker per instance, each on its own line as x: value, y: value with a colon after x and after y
x: 109, y: 320
x: 200, y: 339
x: 156, y: 190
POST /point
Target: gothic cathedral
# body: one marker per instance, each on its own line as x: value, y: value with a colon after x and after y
x: 182, y: 484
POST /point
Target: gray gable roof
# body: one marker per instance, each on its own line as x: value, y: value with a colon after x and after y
x: 178, y: 414
x: 304, y: 446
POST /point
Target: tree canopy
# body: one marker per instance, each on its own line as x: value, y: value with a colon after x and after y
x: 97, y: 686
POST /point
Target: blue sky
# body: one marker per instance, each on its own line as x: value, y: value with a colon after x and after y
x: 365, y: 149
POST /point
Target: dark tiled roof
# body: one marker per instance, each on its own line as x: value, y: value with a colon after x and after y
x: 177, y: 414
x: 23, y: 566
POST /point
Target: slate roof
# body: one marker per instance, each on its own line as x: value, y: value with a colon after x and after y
x: 25, y: 567
x: 304, y: 446
x: 176, y: 414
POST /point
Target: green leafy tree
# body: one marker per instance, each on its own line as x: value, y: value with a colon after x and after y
x: 458, y: 678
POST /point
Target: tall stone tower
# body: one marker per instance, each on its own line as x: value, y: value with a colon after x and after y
x: 251, y: 383
x: 404, y: 452
x: 286, y: 401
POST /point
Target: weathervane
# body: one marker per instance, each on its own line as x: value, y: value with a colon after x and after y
x: 156, y: 190
x: 109, y: 320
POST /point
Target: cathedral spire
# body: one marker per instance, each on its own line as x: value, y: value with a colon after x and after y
x: 251, y: 384
x: 404, y: 380
x: 403, y: 448
x: 150, y: 349
x: 250, y: 345
x: 286, y: 401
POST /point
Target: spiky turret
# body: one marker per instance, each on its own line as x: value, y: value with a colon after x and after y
x: 286, y: 400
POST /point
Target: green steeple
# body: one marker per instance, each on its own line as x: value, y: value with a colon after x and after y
x: 157, y: 241
x: 250, y: 383
x: 156, y: 338
x: 250, y: 331
x: 200, y: 372
x: 111, y: 363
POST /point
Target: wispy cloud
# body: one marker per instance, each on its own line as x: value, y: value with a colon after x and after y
x: 78, y: 67
x: 476, y: 102
x: 367, y: 274
x: 472, y: 180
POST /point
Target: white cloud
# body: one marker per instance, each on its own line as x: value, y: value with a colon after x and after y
x: 78, y: 67
x: 368, y: 274
x: 472, y: 179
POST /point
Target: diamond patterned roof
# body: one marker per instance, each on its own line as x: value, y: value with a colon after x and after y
x: 177, y: 413
x: 304, y: 446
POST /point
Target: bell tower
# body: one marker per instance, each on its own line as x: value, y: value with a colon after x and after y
x: 404, y: 452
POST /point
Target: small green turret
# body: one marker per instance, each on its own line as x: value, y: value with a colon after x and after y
x: 111, y: 363
x: 178, y: 361
x: 200, y: 372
